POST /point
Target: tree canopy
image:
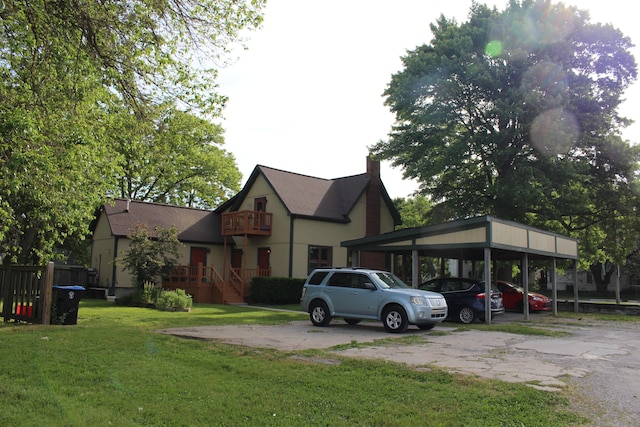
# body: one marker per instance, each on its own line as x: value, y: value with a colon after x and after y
x: 514, y: 114
x: 67, y: 67
x: 176, y: 158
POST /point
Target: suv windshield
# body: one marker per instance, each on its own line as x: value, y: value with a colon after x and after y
x: 389, y: 281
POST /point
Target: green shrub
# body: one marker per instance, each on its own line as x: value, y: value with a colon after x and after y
x: 150, y: 293
x: 276, y: 290
x: 178, y: 300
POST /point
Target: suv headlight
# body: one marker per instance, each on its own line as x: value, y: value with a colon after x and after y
x: 418, y: 300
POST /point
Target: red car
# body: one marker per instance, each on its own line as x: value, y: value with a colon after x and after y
x: 512, y: 297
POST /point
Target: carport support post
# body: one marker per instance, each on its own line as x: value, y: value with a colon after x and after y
x: 576, y: 307
x: 554, y: 288
x: 415, y: 268
x: 487, y: 286
x: 525, y: 285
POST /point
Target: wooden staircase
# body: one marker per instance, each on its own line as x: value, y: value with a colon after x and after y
x: 234, y: 289
x: 232, y: 296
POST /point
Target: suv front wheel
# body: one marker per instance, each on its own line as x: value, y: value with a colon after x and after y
x: 319, y: 313
x: 395, y: 319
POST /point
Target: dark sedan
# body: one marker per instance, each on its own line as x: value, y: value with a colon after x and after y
x: 465, y: 297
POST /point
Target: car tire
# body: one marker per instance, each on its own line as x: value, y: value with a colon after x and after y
x: 352, y: 321
x: 394, y: 319
x: 319, y: 313
x: 427, y: 326
x: 466, y: 315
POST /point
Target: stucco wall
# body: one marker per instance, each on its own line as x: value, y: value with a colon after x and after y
x: 305, y: 232
x: 102, y: 252
x: 103, y: 257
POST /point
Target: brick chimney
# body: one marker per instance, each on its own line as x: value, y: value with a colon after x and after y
x: 372, y: 227
x: 373, y: 198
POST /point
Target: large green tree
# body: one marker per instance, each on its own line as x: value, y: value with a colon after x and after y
x: 514, y: 113
x: 65, y: 66
x: 176, y: 158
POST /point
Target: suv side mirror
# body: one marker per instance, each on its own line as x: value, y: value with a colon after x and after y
x: 370, y: 286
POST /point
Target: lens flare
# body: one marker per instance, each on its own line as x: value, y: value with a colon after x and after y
x: 493, y: 48
x: 554, y: 132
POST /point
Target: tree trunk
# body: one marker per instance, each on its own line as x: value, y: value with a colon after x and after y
x: 602, y: 276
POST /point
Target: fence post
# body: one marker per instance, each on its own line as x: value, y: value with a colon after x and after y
x: 47, y: 294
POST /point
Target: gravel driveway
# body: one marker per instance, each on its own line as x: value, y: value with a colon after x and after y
x: 600, y: 359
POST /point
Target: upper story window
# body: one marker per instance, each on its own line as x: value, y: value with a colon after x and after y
x: 260, y: 204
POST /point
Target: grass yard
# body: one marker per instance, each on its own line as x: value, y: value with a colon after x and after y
x: 113, y: 369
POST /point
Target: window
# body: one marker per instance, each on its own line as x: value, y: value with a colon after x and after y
x: 317, y: 278
x: 260, y: 204
x: 319, y: 256
x: 342, y: 280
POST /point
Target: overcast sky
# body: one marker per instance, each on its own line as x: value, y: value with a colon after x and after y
x: 306, y: 96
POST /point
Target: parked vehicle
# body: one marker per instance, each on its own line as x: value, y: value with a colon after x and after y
x: 513, y: 296
x: 465, y: 297
x: 356, y: 294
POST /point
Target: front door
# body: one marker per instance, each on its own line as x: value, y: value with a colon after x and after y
x: 198, y: 255
x: 236, y: 258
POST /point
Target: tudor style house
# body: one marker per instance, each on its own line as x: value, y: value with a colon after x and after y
x: 280, y: 224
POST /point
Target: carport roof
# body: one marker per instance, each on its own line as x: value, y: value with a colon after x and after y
x: 466, y: 239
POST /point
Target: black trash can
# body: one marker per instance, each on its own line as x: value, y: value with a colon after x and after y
x: 66, y: 300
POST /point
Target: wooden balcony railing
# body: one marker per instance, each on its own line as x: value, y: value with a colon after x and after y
x: 253, y: 223
x: 246, y: 274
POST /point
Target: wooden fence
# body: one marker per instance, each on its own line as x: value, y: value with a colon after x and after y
x: 26, y: 293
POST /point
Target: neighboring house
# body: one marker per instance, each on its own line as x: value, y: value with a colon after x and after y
x: 280, y: 224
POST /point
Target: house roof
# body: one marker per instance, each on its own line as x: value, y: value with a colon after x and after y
x: 193, y: 225
x: 311, y: 197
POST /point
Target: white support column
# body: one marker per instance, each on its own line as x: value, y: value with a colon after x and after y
x: 487, y: 286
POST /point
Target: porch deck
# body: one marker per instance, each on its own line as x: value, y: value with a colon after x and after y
x: 207, y: 286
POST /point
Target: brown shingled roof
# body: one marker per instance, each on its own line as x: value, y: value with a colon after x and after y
x: 302, y: 195
x: 194, y: 225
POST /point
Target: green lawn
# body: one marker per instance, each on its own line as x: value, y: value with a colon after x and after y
x: 113, y: 369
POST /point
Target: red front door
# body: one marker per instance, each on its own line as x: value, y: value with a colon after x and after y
x: 263, y: 261
x: 198, y: 255
x: 236, y: 258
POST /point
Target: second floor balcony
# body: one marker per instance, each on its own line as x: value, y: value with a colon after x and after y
x: 251, y: 223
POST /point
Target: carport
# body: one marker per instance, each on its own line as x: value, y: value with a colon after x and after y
x: 482, y: 238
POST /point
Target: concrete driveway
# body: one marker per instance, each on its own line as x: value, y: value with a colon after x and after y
x: 601, y: 359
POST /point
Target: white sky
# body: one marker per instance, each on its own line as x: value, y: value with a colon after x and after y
x: 306, y: 96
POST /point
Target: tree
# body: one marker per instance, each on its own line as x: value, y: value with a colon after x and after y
x: 414, y: 212
x: 514, y: 114
x: 151, y: 255
x: 65, y: 67
x: 176, y: 158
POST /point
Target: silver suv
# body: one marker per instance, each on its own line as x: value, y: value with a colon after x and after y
x: 356, y: 294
